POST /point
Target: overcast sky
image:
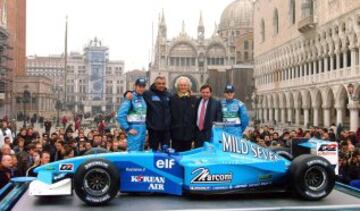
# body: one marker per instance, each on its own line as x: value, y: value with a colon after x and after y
x: 125, y: 26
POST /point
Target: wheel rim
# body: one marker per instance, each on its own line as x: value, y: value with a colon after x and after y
x: 96, y: 182
x: 315, y: 178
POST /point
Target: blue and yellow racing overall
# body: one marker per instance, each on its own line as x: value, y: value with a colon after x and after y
x: 132, y: 115
x: 234, y: 114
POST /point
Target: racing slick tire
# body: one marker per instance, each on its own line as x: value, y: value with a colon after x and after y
x: 313, y: 177
x: 96, y: 182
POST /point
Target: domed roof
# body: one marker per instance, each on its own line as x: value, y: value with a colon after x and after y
x: 239, y: 14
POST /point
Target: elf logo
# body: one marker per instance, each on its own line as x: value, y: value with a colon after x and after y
x: 165, y: 164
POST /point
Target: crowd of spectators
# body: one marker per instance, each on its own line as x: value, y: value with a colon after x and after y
x: 29, y: 148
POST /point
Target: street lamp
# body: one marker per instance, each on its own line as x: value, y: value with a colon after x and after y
x: 25, y: 99
x: 58, y: 107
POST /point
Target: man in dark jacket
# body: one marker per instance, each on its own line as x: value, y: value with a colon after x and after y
x: 183, y: 115
x: 158, y: 117
x: 5, y: 171
x: 208, y: 111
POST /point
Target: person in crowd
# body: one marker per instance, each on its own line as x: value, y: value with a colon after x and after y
x: 5, y: 169
x: 5, y: 132
x: 60, y: 149
x: 123, y: 143
x: 36, y: 157
x: 234, y: 112
x: 20, y: 145
x: 208, y: 111
x: 183, y: 115
x: 64, y: 121
x: 132, y: 117
x: 47, y: 125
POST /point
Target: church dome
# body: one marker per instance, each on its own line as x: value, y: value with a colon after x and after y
x: 237, y: 15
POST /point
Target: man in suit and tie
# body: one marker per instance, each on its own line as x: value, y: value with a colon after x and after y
x: 208, y: 111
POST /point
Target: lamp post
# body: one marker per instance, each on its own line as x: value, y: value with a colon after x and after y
x: 25, y: 99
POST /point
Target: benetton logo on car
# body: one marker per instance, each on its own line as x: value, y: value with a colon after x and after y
x: 204, y: 176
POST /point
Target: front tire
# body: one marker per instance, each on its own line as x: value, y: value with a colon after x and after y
x: 96, y: 182
x: 313, y: 177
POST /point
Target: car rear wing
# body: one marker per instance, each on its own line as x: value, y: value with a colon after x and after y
x: 326, y: 149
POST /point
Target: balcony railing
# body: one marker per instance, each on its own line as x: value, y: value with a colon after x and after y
x: 306, y: 24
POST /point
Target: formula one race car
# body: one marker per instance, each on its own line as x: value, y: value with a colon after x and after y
x: 226, y: 164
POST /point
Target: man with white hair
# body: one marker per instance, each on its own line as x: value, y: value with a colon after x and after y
x: 183, y: 115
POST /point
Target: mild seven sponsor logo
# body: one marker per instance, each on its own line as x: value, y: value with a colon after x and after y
x: 203, y: 175
x: 240, y: 146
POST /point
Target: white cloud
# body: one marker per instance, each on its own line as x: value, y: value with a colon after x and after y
x: 124, y: 26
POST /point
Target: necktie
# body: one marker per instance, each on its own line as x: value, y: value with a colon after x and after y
x: 202, y: 115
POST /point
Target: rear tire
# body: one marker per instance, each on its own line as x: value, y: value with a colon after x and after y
x: 313, y: 177
x: 96, y: 182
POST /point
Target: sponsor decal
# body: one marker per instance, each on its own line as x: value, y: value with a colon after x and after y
x: 135, y: 169
x: 203, y: 175
x: 49, y: 168
x: 96, y: 163
x: 165, y: 164
x: 314, y: 162
x: 66, y: 167
x: 148, y: 179
x: 328, y: 147
x: 265, y: 177
x: 236, y: 145
x: 156, y: 186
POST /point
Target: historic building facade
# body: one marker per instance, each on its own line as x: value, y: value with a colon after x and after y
x: 12, y: 51
x: 194, y: 57
x: 307, y: 62
x: 94, y: 83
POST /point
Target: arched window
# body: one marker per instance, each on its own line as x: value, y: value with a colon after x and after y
x: 292, y: 11
x: 307, y: 8
x: 276, y: 21
x: 262, y: 26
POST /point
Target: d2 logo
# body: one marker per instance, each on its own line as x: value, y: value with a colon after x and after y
x: 165, y: 164
x: 66, y: 167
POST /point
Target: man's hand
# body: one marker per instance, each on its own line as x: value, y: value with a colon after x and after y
x: 129, y: 96
x: 133, y: 132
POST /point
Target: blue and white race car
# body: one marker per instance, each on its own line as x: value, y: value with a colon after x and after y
x: 226, y: 164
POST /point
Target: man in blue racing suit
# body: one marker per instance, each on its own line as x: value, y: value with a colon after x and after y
x: 234, y: 113
x: 132, y: 116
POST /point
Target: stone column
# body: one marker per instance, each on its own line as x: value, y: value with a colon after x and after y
x: 301, y: 70
x: 271, y: 114
x: 332, y: 62
x: 345, y: 63
x: 306, y: 117
x: 326, y: 63
x: 297, y: 116
x: 261, y: 114
x: 353, y: 57
x: 316, y: 116
x: 354, y: 116
x: 283, y: 120
x: 320, y: 64
x: 265, y: 115
x: 339, y: 114
x: 337, y: 61
x: 289, y: 116
x: 276, y: 117
x: 314, y: 67
x: 326, y: 116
